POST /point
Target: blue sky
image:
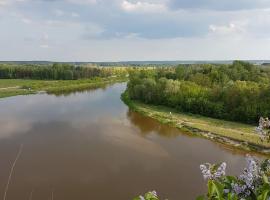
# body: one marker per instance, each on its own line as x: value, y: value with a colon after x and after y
x: 121, y: 30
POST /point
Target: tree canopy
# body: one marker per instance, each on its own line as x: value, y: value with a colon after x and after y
x: 237, y: 92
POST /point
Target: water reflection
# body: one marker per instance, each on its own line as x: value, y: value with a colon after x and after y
x: 90, y: 146
x: 149, y: 126
x: 70, y: 91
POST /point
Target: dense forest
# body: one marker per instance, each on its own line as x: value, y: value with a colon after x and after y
x: 57, y: 71
x: 237, y: 92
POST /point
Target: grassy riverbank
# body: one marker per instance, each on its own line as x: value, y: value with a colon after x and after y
x: 13, y: 87
x: 235, y: 134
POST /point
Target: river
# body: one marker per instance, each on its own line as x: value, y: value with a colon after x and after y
x: 90, y: 146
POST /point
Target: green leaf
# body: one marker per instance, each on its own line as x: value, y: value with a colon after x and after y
x: 210, y: 188
x: 201, y: 198
x: 219, y: 188
x: 150, y: 196
x: 215, y: 189
x: 232, y: 197
x: 264, y: 195
x: 265, y: 179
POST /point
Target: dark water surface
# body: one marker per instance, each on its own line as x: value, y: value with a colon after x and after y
x: 90, y: 146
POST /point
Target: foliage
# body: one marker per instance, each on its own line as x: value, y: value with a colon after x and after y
x: 252, y: 184
x: 148, y: 196
x: 233, y: 133
x: 58, y: 71
x: 237, y: 92
x: 13, y: 87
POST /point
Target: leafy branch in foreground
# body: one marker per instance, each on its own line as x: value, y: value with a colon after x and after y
x: 252, y: 184
x: 148, y: 196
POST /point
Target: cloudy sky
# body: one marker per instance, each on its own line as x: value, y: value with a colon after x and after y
x: 121, y: 30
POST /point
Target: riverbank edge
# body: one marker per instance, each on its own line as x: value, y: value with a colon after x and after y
x: 20, y: 90
x: 238, y: 144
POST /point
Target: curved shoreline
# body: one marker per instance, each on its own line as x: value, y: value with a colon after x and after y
x: 26, y: 87
x: 170, y: 118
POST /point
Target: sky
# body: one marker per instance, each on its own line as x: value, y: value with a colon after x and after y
x: 132, y: 30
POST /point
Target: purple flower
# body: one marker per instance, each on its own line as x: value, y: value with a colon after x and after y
x: 238, y: 189
x: 251, y: 172
x: 213, y: 172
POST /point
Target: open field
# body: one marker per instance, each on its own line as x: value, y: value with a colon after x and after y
x: 13, y: 87
x: 236, y: 134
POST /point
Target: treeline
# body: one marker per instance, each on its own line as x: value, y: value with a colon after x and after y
x: 57, y: 71
x: 237, y: 92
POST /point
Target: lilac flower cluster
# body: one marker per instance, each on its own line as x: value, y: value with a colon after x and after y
x: 249, y: 178
x: 252, y: 182
x: 213, y: 172
x: 264, y: 125
x: 239, y: 189
x: 251, y: 173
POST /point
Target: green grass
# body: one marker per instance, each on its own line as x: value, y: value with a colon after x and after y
x: 14, y: 92
x: 13, y: 87
x: 243, y: 135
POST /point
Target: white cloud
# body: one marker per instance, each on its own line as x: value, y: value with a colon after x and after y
x: 3, y: 2
x: 74, y: 14
x: 26, y: 20
x: 45, y: 37
x: 127, y: 35
x: 228, y: 29
x: 92, y: 31
x: 10, y: 2
x: 132, y: 35
x: 21, y: 0
x: 59, y: 12
x: 83, y: 2
x: 44, y: 46
x: 140, y: 6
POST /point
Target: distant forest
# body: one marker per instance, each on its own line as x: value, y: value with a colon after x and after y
x: 56, y: 71
x: 237, y: 92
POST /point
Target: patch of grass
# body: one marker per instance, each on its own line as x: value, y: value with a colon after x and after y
x: 13, y: 87
x: 14, y: 92
x: 244, y: 134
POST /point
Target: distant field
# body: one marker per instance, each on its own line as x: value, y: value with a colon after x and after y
x: 13, y: 87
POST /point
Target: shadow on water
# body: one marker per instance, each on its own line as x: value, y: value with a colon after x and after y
x: 148, y: 126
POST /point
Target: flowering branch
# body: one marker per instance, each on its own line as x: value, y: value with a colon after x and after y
x: 264, y: 129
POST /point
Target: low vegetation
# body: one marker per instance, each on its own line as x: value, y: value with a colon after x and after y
x: 22, y: 79
x: 236, y: 92
x: 187, y: 96
x: 13, y: 87
x: 239, y: 135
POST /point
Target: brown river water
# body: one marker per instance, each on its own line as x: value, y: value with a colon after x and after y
x: 90, y: 146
